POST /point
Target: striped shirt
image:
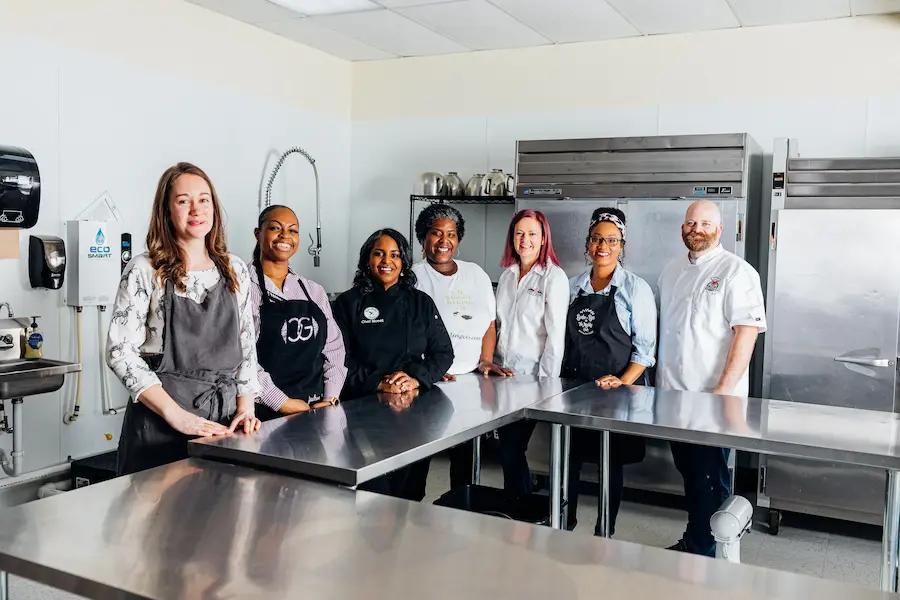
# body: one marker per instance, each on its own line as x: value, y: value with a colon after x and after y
x: 335, y: 371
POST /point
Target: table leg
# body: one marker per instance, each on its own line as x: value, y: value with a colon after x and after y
x: 556, y: 474
x: 565, y: 448
x: 476, y: 460
x: 890, y: 541
x: 4, y: 586
x: 604, y: 484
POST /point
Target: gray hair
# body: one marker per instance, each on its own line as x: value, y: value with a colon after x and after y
x: 435, y: 212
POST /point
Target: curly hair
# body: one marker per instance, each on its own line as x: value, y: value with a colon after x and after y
x: 165, y: 254
x: 363, y: 280
x: 435, y: 212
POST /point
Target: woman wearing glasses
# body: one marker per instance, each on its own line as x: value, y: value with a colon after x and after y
x: 611, y: 339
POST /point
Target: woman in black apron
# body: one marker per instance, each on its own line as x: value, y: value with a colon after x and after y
x: 300, y: 348
x: 179, y: 339
x: 610, y: 338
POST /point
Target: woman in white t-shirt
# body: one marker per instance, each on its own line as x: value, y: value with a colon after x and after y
x: 464, y: 297
x: 532, y: 302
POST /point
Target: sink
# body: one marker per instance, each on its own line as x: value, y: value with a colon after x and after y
x: 28, y: 377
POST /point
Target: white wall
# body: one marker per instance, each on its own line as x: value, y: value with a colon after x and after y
x: 107, y: 94
x: 832, y: 84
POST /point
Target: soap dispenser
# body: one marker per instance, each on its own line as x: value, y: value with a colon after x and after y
x: 34, y: 341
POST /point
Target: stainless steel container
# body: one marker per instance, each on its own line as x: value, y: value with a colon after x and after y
x: 473, y: 187
x: 430, y: 184
x: 453, y: 185
x: 494, y: 184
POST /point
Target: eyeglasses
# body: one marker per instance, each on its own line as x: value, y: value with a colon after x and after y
x: 612, y: 242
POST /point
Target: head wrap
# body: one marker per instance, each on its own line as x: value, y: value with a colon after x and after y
x: 610, y: 218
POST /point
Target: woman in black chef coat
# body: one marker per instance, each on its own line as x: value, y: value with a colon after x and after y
x: 394, y: 338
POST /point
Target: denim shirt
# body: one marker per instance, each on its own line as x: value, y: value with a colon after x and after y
x: 635, y: 307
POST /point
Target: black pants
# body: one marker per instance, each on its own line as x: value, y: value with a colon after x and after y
x: 585, y: 446
x: 407, y: 482
x: 707, y: 484
x: 461, y: 463
x: 514, y: 440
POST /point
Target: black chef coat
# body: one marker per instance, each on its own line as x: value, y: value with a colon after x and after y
x: 394, y: 330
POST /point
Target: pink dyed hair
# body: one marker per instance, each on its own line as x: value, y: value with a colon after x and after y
x: 548, y: 254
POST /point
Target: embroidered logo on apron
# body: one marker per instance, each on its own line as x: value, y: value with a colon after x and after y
x: 585, y: 319
x: 371, y: 313
x: 713, y: 284
x: 299, y: 329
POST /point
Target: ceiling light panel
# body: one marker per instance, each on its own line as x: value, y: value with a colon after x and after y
x: 569, y: 20
x: 404, y: 3
x: 475, y: 24
x: 871, y: 7
x: 326, y: 7
x: 770, y: 12
x: 389, y: 32
x: 327, y: 40
x: 249, y: 11
x: 673, y: 16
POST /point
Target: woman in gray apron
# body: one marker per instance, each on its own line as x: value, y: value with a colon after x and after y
x: 181, y: 334
x: 611, y: 339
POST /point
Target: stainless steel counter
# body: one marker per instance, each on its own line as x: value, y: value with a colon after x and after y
x: 832, y: 433
x: 205, y: 529
x: 365, y: 438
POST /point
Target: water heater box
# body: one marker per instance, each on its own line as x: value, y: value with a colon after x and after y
x: 93, y: 277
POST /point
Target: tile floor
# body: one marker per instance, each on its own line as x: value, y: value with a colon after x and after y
x: 836, y: 555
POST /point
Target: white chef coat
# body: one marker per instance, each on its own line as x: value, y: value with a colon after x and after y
x: 531, y: 316
x: 700, y: 303
x: 465, y: 301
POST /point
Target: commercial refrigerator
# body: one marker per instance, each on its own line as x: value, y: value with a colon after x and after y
x: 834, y: 316
x: 652, y: 180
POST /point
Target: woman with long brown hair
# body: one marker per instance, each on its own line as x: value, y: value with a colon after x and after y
x: 181, y: 337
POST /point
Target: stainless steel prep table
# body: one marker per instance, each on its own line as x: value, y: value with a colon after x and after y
x: 206, y: 529
x: 365, y: 438
x: 846, y: 435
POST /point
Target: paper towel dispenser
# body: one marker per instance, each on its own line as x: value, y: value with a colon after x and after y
x: 20, y: 188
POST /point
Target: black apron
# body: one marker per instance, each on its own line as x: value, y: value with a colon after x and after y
x: 598, y: 345
x: 290, y: 346
x: 198, y: 368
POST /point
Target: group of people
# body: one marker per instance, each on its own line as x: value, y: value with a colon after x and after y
x: 207, y: 345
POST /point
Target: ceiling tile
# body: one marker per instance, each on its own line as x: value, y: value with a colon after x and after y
x: 870, y: 7
x: 249, y: 11
x: 475, y: 24
x: 326, y: 40
x: 770, y: 12
x: 390, y: 32
x: 671, y: 16
x: 569, y: 20
x: 326, y: 7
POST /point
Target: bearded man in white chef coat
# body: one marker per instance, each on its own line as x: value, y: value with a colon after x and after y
x: 711, y: 312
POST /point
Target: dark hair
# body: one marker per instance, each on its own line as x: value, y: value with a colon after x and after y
x: 434, y: 212
x: 257, y: 253
x: 547, y: 255
x: 363, y: 280
x: 166, y: 256
x: 595, y: 215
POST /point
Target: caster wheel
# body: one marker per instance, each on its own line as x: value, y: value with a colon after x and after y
x: 774, y: 522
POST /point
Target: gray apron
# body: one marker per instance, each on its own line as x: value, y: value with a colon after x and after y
x: 200, y: 360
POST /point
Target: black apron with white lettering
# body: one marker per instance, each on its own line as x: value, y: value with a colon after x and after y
x: 291, y: 342
x: 198, y: 368
x: 598, y: 345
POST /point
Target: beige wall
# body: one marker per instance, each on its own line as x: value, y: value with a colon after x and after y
x: 839, y: 57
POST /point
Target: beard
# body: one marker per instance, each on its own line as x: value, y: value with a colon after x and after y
x: 697, y: 241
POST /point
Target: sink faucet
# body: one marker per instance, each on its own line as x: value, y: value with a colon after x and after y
x: 9, y: 310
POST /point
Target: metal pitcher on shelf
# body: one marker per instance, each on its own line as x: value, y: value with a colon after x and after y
x: 510, y: 184
x: 431, y: 184
x: 473, y: 187
x: 453, y: 185
x: 494, y: 184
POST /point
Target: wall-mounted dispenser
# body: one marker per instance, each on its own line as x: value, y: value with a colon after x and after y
x: 20, y: 188
x: 93, y: 263
x: 46, y: 261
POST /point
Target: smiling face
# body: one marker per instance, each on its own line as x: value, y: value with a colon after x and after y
x: 191, y: 207
x: 441, y: 241
x: 279, y: 235
x: 702, y: 226
x: 604, y: 245
x: 528, y: 238
x: 385, y: 264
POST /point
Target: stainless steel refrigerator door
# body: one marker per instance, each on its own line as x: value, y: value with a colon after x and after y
x: 834, y: 319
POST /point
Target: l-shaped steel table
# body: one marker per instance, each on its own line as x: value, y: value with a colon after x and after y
x: 846, y: 435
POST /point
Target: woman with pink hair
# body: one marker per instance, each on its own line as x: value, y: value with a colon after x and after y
x: 532, y: 301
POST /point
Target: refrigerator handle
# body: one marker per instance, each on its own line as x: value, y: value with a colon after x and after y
x: 868, y: 362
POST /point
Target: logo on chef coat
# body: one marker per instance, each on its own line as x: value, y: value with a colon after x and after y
x: 713, y: 284
x: 585, y: 320
x: 371, y: 315
x: 299, y: 329
x: 535, y: 292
